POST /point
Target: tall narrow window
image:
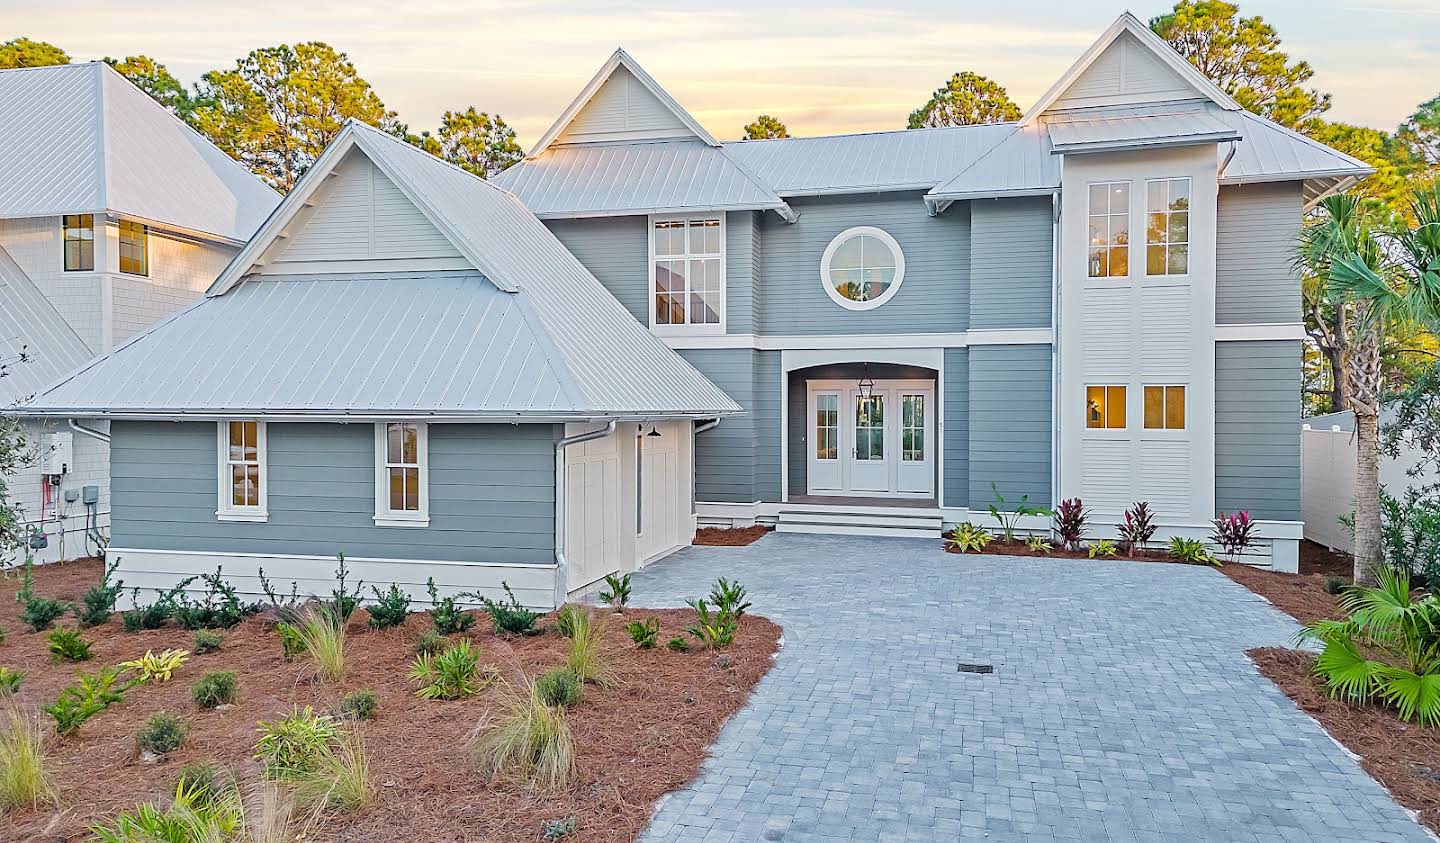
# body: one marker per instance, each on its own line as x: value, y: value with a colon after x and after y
x: 827, y: 426
x: 1109, y: 220
x: 402, y: 497
x: 134, y: 248
x: 79, y: 231
x: 243, y: 481
x: 688, y: 271
x: 1167, y: 227
x: 912, y: 428
x: 640, y: 480
x: 1105, y: 407
x: 1164, y: 408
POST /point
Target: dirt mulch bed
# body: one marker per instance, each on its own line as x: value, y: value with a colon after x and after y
x: 1316, y: 558
x: 633, y: 743
x: 731, y: 536
x: 1301, y: 596
x: 1405, y: 758
x: 1000, y: 547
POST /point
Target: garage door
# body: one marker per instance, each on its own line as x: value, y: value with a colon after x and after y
x: 592, y: 509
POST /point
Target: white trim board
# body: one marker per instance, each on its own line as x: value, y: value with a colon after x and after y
x: 680, y: 338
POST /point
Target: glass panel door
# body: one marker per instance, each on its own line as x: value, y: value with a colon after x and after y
x: 916, y: 470
x: 825, y: 447
x: 870, y: 470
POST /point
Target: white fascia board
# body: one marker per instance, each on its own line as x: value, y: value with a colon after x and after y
x: 1144, y: 143
x: 369, y: 416
x: 1307, y: 175
x: 1006, y: 193
x: 782, y: 209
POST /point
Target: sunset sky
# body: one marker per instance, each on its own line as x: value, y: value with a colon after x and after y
x: 821, y: 68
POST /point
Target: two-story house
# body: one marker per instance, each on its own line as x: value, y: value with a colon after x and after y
x: 113, y: 215
x: 1094, y: 302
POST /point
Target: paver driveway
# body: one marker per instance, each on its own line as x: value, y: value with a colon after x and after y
x: 1122, y: 705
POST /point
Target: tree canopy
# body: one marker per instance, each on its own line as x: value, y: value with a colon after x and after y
x: 22, y: 52
x: 1419, y: 136
x: 765, y: 127
x: 474, y: 140
x: 966, y: 99
x: 1243, y: 57
x: 154, y: 79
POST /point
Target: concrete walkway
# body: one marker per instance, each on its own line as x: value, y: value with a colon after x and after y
x: 1122, y: 706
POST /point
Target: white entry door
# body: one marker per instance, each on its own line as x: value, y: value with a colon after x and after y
x: 824, y: 447
x: 881, y: 442
x: 870, y: 452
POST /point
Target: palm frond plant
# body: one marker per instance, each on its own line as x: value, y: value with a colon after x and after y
x: 1008, y: 518
x: 451, y: 675
x: 616, y: 591
x: 1386, y: 651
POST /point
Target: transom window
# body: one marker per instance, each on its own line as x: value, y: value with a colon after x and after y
x: 1109, y: 233
x: 1164, y: 407
x: 402, y: 465
x: 79, y: 230
x: 134, y: 248
x: 862, y: 268
x: 243, y: 478
x: 1167, y: 227
x: 1105, y: 407
x: 688, y: 271
x: 827, y: 427
x: 912, y: 428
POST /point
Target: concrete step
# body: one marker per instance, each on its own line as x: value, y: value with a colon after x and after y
x: 868, y: 523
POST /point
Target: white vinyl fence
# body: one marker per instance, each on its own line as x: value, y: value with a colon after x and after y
x: 1327, y: 477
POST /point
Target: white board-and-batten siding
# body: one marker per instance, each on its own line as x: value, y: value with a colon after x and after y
x: 623, y: 108
x: 1126, y: 72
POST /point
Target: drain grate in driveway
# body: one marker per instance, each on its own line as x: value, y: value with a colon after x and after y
x: 975, y: 668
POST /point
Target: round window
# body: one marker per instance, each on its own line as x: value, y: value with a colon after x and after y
x: 862, y: 268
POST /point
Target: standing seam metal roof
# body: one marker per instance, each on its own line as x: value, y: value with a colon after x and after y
x: 30, y: 324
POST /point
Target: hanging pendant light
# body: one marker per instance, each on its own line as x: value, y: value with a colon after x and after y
x: 654, y: 431
x: 867, y: 384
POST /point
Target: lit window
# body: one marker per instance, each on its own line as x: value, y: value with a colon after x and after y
x: 402, y: 496
x: 1167, y: 227
x: 862, y: 268
x: 242, y: 470
x: 1105, y: 407
x: 79, y: 232
x: 134, y: 248
x: 1109, y: 218
x: 687, y: 273
x: 1164, y: 408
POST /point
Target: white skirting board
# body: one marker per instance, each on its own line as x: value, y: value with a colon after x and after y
x: 151, y: 570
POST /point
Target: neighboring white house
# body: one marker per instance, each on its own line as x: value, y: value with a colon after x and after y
x: 113, y: 215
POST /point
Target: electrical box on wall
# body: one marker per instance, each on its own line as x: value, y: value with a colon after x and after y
x: 57, y: 453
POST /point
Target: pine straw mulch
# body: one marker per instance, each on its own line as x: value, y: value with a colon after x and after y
x: 731, y: 536
x: 633, y: 743
x: 1000, y: 547
x: 1405, y: 758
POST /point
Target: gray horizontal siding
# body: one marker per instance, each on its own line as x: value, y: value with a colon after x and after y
x: 1256, y: 231
x: 1010, y: 423
x: 957, y: 427
x: 741, y: 253
x: 1011, y: 266
x: 1257, y: 428
x: 492, y: 493
x: 725, y: 455
x: 766, y: 452
x: 932, y: 297
x: 616, y: 250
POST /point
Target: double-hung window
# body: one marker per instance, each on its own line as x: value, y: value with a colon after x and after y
x: 134, y: 248
x: 1108, y: 220
x: 79, y: 234
x: 687, y: 272
x: 402, y: 469
x: 243, y: 471
x: 1167, y: 226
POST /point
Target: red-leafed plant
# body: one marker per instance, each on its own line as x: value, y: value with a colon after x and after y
x: 1070, y: 523
x: 1234, y: 533
x: 1137, y: 529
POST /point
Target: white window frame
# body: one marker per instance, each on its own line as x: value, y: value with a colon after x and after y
x: 1129, y: 247
x: 1189, y: 212
x: 707, y: 328
x: 1122, y: 432
x: 384, y: 515
x: 1178, y: 432
x: 226, y: 510
x: 879, y: 234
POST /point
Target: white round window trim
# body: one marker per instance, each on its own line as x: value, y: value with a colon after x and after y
x: 879, y: 234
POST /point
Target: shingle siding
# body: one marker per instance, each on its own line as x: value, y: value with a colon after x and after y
x: 1257, y: 428
x: 1256, y: 231
x: 1011, y: 263
x: 1010, y: 423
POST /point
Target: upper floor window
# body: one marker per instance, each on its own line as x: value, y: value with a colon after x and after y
x: 134, y: 248
x: 243, y: 470
x: 402, y: 468
x: 687, y: 273
x: 79, y: 233
x: 1105, y: 407
x: 862, y: 268
x: 1167, y: 227
x: 1109, y: 220
x: 1164, y: 407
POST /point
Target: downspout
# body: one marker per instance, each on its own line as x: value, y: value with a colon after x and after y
x: 1055, y: 391
x: 560, y: 564
x: 85, y: 431
x: 704, y: 426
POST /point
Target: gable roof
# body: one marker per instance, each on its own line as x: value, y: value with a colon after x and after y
x: 81, y: 138
x: 1128, y: 23
x: 29, y: 324
x: 619, y: 61
x: 530, y: 334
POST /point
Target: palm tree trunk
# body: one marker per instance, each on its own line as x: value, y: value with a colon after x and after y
x: 1367, y: 499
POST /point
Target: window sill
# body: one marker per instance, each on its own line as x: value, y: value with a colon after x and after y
x: 399, y: 521
x: 243, y: 517
x: 688, y: 330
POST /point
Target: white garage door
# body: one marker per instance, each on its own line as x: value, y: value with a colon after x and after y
x: 593, y: 518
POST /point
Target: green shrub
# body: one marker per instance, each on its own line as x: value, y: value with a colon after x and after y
x: 712, y: 628
x: 1192, y: 551
x: 207, y: 641
x: 1102, y: 547
x: 1038, y: 544
x: 153, y: 668
x: 288, y: 609
x: 162, y: 733
x: 214, y: 688
x: 40, y: 612
x: 509, y: 618
x: 322, y: 631
x: 98, y: 602
x: 616, y: 591
x: 292, y: 643
x: 729, y: 598
x: 26, y: 779
x: 67, y: 645
x: 529, y: 742
x: 359, y: 705
x: 447, y: 616
x: 1071, y: 521
x: 152, y: 616
x: 968, y: 538
x: 294, y: 743
x: 452, y: 674
x: 1335, y: 585
x: 10, y: 680
x: 678, y: 644
x: 218, y: 608
x: 644, y: 633
x: 429, y: 643
x: 196, y: 815
x: 559, y: 687
x: 390, y: 607
x: 342, y: 601
x: 91, y: 694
